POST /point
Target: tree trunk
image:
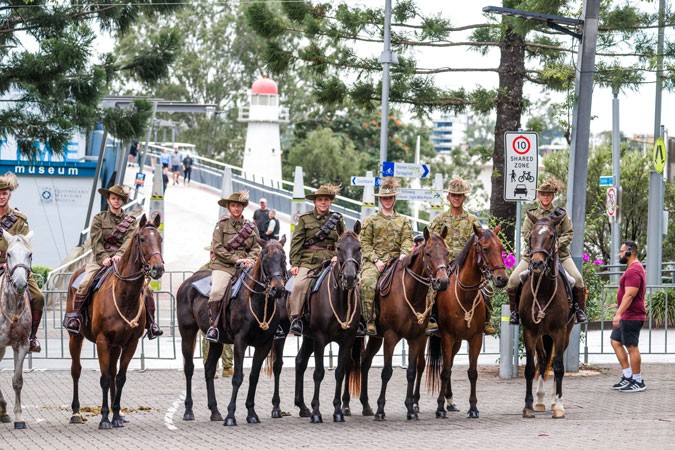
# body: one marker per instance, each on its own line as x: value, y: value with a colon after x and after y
x: 509, y: 110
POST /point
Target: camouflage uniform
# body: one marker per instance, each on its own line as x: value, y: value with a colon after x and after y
x: 382, y: 238
x: 460, y: 229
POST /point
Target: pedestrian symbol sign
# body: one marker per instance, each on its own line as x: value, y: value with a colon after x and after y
x: 521, y: 164
x: 659, y: 155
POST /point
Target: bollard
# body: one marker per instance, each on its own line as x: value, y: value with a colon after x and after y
x: 515, y: 330
x: 571, y: 356
x: 404, y: 357
x: 330, y: 356
x: 505, y: 347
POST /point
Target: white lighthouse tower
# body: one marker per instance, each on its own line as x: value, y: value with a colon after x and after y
x: 262, y: 153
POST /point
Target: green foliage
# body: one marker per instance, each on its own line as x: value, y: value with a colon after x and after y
x: 40, y: 273
x: 662, y: 307
x: 595, y: 284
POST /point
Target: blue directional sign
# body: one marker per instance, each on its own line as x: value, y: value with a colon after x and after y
x: 365, y: 181
x: 607, y: 180
x: 405, y: 170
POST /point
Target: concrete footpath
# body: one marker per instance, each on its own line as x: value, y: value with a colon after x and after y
x: 597, y: 416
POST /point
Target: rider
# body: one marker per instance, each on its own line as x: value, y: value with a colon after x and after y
x: 460, y: 228
x: 234, y: 245
x: 384, y: 235
x: 565, y: 232
x: 110, y: 235
x: 15, y: 222
x: 313, y: 243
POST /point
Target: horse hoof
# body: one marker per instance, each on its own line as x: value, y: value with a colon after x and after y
x: 252, y: 419
x: 7, y: 419
x: 412, y: 416
x: 316, y: 418
x: 558, y: 414
x: 416, y: 408
x: 452, y: 407
x: 188, y: 416
x: 217, y: 417
x: 76, y: 418
x: 346, y: 411
x: 19, y: 425
x: 528, y: 413
x: 472, y: 415
x: 230, y: 422
x: 276, y: 414
x: 105, y: 426
x: 118, y: 423
x: 540, y: 407
x: 441, y: 415
x: 305, y: 412
x: 368, y: 411
x: 338, y: 418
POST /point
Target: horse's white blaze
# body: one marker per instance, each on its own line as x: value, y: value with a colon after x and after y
x: 542, y: 231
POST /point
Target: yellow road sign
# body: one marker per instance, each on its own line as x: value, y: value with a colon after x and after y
x: 660, y: 155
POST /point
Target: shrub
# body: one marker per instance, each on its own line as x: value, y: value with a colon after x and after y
x: 40, y: 274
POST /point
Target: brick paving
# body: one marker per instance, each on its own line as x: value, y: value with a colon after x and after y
x: 596, y: 415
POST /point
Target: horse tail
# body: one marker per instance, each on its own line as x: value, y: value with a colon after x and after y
x: 355, y: 374
x: 269, y: 362
x: 434, y: 364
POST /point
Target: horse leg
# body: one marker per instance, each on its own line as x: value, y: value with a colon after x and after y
x: 372, y: 348
x: 559, y: 371
x: 115, y: 353
x: 103, y: 362
x: 451, y: 346
x: 276, y: 368
x: 301, y: 361
x: 529, y: 340
x: 340, y: 371
x: 389, y: 344
x: 17, y: 384
x: 258, y: 359
x: 4, y: 417
x: 188, y: 342
x: 237, y: 379
x: 416, y: 349
x: 120, y: 379
x: 474, y: 350
x: 421, y: 364
x: 346, y: 397
x: 75, y: 347
x: 544, y: 352
x: 215, y: 350
x: 319, y: 373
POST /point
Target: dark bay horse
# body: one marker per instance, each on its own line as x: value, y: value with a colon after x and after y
x: 15, y: 320
x: 253, y: 317
x: 404, y: 314
x: 335, y: 314
x: 546, y: 316
x: 117, y: 311
x: 461, y: 314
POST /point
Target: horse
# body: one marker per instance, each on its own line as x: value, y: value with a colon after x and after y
x: 117, y: 312
x: 335, y: 314
x: 403, y: 314
x: 546, y: 316
x: 461, y: 314
x: 253, y: 317
x: 15, y: 321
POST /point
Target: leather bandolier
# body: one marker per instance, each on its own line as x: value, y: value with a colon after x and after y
x: 328, y: 226
x: 237, y: 240
x: 7, y: 222
x: 114, y: 241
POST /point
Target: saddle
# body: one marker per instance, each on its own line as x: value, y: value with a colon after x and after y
x: 203, y: 286
x: 568, y: 281
x: 234, y: 286
x: 318, y: 277
x: 385, y: 281
x: 96, y: 282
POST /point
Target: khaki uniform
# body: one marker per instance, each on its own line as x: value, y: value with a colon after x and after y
x: 460, y: 229
x: 382, y: 238
x: 223, y: 267
x: 227, y: 354
x: 20, y: 226
x: 308, y: 259
x: 102, y: 227
x: 565, y: 233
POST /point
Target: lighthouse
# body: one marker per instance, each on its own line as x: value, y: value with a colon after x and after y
x: 262, y: 152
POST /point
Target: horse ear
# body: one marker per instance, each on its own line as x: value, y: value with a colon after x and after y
x: 157, y: 220
x: 557, y: 218
x: 426, y: 233
x: 282, y: 241
x: 478, y: 230
x: 497, y: 229
x: 339, y: 228
x: 357, y: 227
x: 142, y: 222
x: 444, y: 231
x: 29, y: 236
x: 532, y: 217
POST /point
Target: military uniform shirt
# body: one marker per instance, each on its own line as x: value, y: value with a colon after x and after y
x: 226, y: 259
x: 460, y: 229
x: 19, y: 227
x: 308, y: 225
x: 385, y: 237
x: 564, y: 230
x: 102, y: 226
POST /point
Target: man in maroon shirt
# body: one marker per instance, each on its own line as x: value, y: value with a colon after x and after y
x: 629, y: 318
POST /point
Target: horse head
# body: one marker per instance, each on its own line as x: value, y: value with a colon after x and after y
x: 19, y: 260
x: 543, y: 241
x: 436, y: 257
x: 273, y: 266
x: 349, y: 256
x: 149, y: 243
x: 488, y: 254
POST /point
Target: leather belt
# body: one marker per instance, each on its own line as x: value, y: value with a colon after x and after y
x: 321, y: 247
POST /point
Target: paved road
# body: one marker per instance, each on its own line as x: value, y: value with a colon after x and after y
x: 597, y: 416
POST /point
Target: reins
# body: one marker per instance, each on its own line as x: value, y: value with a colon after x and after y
x: 551, y: 258
x: 133, y: 323
x: 351, y: 311
x: 431, y: 292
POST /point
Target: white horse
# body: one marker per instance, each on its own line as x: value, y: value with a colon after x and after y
x: 15, y: 317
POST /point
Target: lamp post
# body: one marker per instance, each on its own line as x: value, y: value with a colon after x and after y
x: 583, y: 90
x: 387, y: 58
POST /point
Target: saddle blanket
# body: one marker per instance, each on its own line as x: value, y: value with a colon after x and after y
x: 203, y: 286
x: 99, y: 278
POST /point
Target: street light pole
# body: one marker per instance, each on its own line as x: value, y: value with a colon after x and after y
x: 387, y: 59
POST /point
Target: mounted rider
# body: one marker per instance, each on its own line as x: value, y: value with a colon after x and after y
x: 384, y: 235
x: 565, y: 232
x: 110, y: 235
x: 313, y: 242
x: 15, y: 222
x: 234, y: 245
x: 460, y: 228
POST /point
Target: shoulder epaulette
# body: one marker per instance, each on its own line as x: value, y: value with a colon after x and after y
x: 20, y: 215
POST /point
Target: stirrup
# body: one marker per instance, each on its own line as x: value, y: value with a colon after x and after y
x: 296, y: 327
x: 580, y: 315
x: 34, y: 345
x: 280, y: 333
x: 212, y: 335
x: 515, y: 318
x: 432, y: 327
x: 154, y: 332
x: 361, y: 330
x: 72, y: 324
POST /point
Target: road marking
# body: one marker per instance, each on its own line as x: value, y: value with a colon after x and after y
x: 168, y: 417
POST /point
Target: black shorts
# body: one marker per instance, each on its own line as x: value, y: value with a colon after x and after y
x: 628, y: 332
x: 175, y: 168
x: 165, y: 165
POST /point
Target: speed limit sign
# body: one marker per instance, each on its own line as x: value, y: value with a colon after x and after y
x: 521, y: 165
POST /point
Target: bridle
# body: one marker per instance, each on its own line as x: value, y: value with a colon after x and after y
x: 549, y: 253
x: 265, y: 278
x: 144, y: 271
x: 427, y: 281
x: 340, y: 266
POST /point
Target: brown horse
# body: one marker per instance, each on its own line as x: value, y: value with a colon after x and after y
x: 546, y: 315
x: 461, y: 313
x: 335, y: 314
x: 117, y: 311
x: 254, y: 315
x: 404, y: 314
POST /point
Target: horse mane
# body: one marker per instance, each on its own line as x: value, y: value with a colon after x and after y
x: 412, y: 256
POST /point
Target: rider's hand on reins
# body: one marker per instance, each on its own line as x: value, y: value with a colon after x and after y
x: 380, y: 265
x: 294, y: 270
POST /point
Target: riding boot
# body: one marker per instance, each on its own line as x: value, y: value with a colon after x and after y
x: 296, y: 325
x: 432, y: 325
x: 37, y: 318
x: 513, y: 304
x: 371, y: 328
x: 213, y: 334
x: 488, y: 328
x: 153, y: 329
x: 72, y: 321
x: 579, y: 299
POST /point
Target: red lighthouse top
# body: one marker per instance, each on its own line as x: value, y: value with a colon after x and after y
x: 264, y: 86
